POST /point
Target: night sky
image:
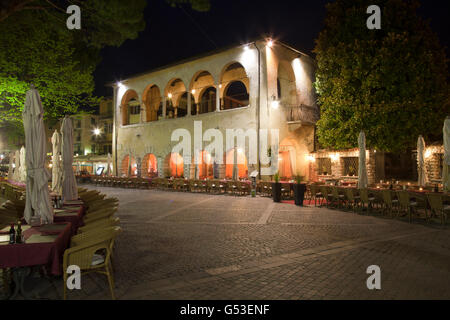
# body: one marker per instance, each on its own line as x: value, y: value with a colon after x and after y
x: 174, y: 34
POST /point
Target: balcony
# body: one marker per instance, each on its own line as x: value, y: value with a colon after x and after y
x: 302, y: 114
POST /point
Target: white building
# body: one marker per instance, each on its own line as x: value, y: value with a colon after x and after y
x: 260, y: 85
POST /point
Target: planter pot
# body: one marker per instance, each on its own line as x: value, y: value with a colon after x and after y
x: 276, y: 191
x: 299, y: 193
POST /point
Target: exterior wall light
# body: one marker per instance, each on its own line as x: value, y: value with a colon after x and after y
x: 275, y: 103
x: 169, y: 96
x: 270, y: 43
x: 96, y: 131
x: 193, y: 91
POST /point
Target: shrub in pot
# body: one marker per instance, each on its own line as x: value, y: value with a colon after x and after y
x: 276, y: 188
x: 299, y: 191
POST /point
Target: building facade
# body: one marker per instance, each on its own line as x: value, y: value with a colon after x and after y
x: 262, y: 85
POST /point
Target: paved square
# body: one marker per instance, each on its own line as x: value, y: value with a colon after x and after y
x: 178, y: 245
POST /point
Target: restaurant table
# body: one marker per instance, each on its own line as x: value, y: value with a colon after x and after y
x: 70, y: 212
x: 43, y: 246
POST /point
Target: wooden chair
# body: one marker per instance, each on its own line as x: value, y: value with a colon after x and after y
x: 353, y: 200
x: 232, y: 187
x: 326, y: 194
x: 366, y: 200
x: 315, y: 193
x: 437, y: 206
x: 92, y: 254
x: 213, y: 186
x: 388, y: 202
x: 244, y: 188
x: 336, y: 197
x: 405, y: 203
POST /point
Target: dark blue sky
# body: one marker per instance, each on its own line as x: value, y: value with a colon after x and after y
x: 173, y: 34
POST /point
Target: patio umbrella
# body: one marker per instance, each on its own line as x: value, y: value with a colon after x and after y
x: 446, y: 164
x: 108, y: 165
x: 69, y: 184
x: 362, y: 171
x: 37, y: 195
x: 23, y: 167
x: 421, y: 170
x: 56, y: 163
x: 16, y: 175
x: 10, y: 168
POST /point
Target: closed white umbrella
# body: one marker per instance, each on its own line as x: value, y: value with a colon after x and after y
x: 11, y: 167
x: 56, y: 163
x: 69, y: 184
x: 362, y: 170
x: 37, y: 194
x: 23, y: 166
x: 16, y: 175
x: 421, y: 170
x: 446, y: 164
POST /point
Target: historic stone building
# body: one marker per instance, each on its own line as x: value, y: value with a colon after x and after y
x: 260, y: 85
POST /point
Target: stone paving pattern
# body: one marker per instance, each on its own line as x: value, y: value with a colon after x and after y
x: 178, y: 245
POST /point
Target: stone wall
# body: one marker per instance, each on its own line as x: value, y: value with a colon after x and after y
x: 338, y: 166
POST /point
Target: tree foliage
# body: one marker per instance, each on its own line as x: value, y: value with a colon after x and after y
x: 392, y: 83
x: 37, y: 47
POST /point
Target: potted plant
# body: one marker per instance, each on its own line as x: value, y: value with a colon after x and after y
x: 276, y: 188
x: 299, y: 190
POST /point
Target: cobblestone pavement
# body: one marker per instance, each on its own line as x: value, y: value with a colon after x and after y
x: 195, y: 246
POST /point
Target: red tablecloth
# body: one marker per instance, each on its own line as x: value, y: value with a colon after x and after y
x: 31, y: 254
x: 74, y: 216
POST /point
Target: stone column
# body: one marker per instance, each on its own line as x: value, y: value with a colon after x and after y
x: 217, y: 98
x: 164, y: 108
x: 189, y: 105
x: 160, y: 167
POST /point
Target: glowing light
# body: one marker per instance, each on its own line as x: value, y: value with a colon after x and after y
x: 280, y: 158
x: 275, y: 104
x: 169, y: 96
x: 220, y: 86
x: 334, y: 157
x: 119, y: 84
x: 311, y: 158
x: 193, y: 91
x: 270, y: 43
x: 239, y: 150
x: 50, y: 165
x: 96, y: 131
x: 246, y: 48
x: 427, y: 153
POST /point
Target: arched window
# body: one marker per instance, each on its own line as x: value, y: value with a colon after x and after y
x: 152, y: 102
x: 149, y: 166
x: 134, y: 111
x: 208, y: 100
x: 174, y: 90
x: 235, y: 96
x: 183, y: 105
x: 130, y: 107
